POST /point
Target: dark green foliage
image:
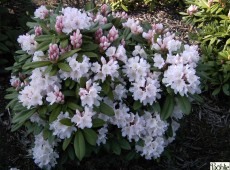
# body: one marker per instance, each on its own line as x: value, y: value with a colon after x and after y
x: 13, y: 17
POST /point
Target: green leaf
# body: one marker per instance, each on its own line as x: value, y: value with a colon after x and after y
x: 106, y: 26
x: 106, y: 87
x: 64, y: 43
x: 106, y: 109
x: 36, y: 64
x: 184, y: 104
x: 43, y: 46
x: 98, y: 123
x: 11, y: 96
x: 89, y: 6
x: 42, y: 38
x: 89, y: 54
x: 89, y: 47
x: 54, y: 114
x: 116, y: 147
x: 124, y: 144
x: 216, y: 91
x: 23, y: 116
x: 47, y: 133
x: 79, y: 145
x: 167, y: 107
x: 226, y: 89
x: 197, y: 97
x: 74, y: 106
x: 83, y: 82
x: 90, y: 136
x: 124, y: 7
x: 67, y: 122
x: 68, y: 54
x: 64, y: 67
x: 66, y: 143
x: 137, y: 105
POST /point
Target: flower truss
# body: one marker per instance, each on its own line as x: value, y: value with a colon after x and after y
x: 97, y: 78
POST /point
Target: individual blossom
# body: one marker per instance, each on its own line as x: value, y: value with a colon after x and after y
x: 133, y: 25
x: 39, y: 56
x: 35, y: 118
x: 53, y: 53
x: 229, y: 14
x: 182, y: 79
x: 122, y: 15
x: 78, y: 69
x: 76, y: 39
x: 42, y: 12
x: 90, y: 94
x: 38, y: 30
x: 158, y: 61
x: 104, y: 43
x: 120, y: 92
x: 139, y: 51
x: 102, y: 132
x: 136, y: 68
x: 100, y: 19
x: 113, y: 34
x: 15, y: 82
x: 83, y: 119
x: 146, y: 91
x: 162, y: 43
x: 30, y: 96
x: 73, y: 19
x: 59, y: 24
x: 60, y: 130
x: 55, y: 96
x: 149, y: 36
x: 27, y: 43
x: 117, y: 54
x: 43, y: 153
x: 158, y: 28
x: 109, y: 68
x: 192, y: 9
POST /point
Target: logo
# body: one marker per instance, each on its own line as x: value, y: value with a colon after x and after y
x: 219, y: 165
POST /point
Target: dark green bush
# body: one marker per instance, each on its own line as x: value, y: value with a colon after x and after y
x: 211, y: 21
x: 13, y: 17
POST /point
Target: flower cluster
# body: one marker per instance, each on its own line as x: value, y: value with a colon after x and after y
x: 91, y: 77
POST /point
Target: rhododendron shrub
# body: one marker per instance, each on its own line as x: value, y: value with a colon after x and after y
x: 84, y: 80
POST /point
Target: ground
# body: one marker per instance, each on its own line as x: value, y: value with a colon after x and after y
x: 204, y: 135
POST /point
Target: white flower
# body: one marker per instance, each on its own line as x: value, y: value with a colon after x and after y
x: 35, y: 118
x: 133, y: 25
x: 182, y: 79
x: 60, y: 130
x: 158, y: 61
x: 119, y: 53
x: 136, y: 68
x: 83, y: 119
x: 74, y: 19
x: 43, y: 153
x: 27, y: 43
x: 120, y: 92
x: 102, y: 135
x: 38, y: 56
x: 41, y: 12
x: 139, y: 51
x: 89, y: 95
x: 30, y: 96
x: 55, y: 96
x: 147, y: 91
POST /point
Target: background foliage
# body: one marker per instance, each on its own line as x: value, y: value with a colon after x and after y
x: 211, y: 21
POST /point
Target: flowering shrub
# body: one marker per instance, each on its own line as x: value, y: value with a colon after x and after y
x: 212, y: 18
x: 89, y: 79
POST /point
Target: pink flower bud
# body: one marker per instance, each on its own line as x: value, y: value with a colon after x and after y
x: 192, y: 9
x: 158, y: 28
x: 104, y: 9
x: 59, y: 97
x: 98, y: 35
x: 113, y: 34
x: 210, y: 2
x: 38, y: 30
x: 59, y: 24
x: 149, y: 36
x: 76, y: 39
x: 123, y: 42
x: 104, y: 43
x: 64, y: 50
x: 53, y: 52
